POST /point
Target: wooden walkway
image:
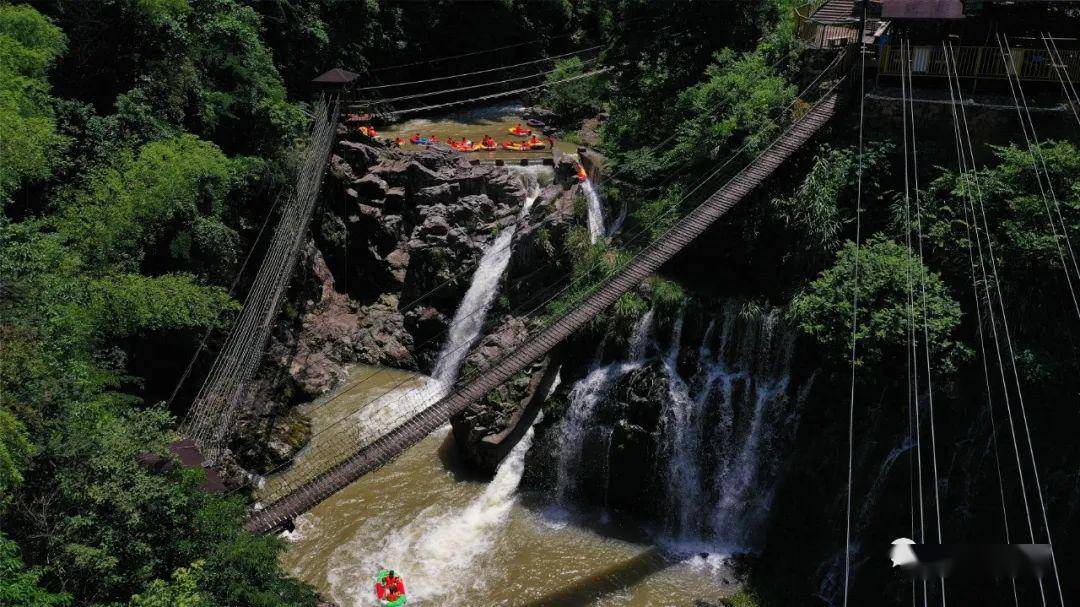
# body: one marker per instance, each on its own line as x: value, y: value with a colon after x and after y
x: 647, y: 262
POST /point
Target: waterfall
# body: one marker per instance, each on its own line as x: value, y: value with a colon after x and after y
x: 829, y: 590
x: 398, y: 405
x: 616, y: 225
x: 469, y: 319
x: 586, y: 394
x: 724, y: 426
x: 595, y: 211
x: 438, y: 551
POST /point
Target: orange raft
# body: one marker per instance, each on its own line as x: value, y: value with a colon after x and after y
x: 519, y: 131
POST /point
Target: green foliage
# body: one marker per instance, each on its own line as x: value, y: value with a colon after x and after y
x: 15, y: 452
x: 886, y: 272
x: 19, y: 586
x: 742, y: 598
x: 815, y: 216
x: 182, y: 590
x: 666, y: 295
x: 740, y: 101
x: 29, y: 44
x: 160, y: 209
x: 577, y: 99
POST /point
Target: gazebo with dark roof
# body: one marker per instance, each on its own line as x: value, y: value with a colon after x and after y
x: 335, y: 77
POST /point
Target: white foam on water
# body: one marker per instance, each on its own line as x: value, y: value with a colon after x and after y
x: 595, y: 210
x: 437, y: 553
x: 469, y: 319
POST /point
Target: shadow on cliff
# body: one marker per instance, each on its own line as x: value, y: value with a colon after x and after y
x: 586, y: 590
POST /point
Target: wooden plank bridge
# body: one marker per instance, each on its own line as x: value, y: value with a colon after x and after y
x: 373, y: 455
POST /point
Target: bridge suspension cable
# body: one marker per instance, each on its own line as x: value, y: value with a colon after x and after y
x: 1006, y: 336
x: 210, y: 418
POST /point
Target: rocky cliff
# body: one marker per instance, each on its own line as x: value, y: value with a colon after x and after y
x: 391, y: 256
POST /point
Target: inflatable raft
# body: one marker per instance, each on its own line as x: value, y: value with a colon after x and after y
x: 389, y: 597
x: 519, y: 131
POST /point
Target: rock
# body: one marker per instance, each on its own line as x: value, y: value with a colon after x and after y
x: 360, y: 155
x: 371, y: 187
x: 566, y: 169
x: 409, y: 229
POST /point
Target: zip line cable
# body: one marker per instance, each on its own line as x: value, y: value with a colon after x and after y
x: 961, y: 159
x: 912, y: 354
x: 855, y: 313
x: 1012, y: 357
x: 925, y: 312
x: 1072, y: 97
x: 470, y: 87
x: 1036, y: 153
x: 1041, y: 157
x: 473, y: 73
x: 439, y: 106
x: 643, y: 231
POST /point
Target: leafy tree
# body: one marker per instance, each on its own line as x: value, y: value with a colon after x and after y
x: 162, y: 208
x: 182, y: 590
x: 15, y: 452
x: 740, y: 101
x: 19, y: 586
x: 29, y: 44
x: 574, y: 100
x: 824, y: 311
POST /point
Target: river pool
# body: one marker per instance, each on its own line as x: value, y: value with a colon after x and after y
x: 462, y: 540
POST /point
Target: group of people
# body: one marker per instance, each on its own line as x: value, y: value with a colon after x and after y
x: 390, y: 588
x: 486, y: 143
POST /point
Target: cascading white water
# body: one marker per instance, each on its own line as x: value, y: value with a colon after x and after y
x: 595, y: 211
x: 585, y: 395
x: 438, y: 551
x: 469, y: 319
x: 723, y: 427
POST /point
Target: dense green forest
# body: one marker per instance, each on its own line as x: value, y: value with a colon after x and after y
x: 144, y: 142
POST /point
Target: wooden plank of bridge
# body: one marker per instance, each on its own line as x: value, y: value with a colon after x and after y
x: 647, y: 262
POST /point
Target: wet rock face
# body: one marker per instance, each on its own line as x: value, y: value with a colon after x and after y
x: 395, y: 237
x: 689, y: 429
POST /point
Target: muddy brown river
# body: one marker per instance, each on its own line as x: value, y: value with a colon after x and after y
x: 460, y: 540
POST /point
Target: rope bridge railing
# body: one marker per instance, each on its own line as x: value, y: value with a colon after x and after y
x: 382, y: 430
x: 211, y: 417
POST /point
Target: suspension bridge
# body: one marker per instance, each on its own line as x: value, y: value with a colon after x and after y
x: 365, y: 449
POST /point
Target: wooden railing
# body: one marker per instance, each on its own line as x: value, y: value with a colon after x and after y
x: 980, y: 62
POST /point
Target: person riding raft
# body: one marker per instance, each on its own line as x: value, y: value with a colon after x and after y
x: 518, y: 130
x: 389, y: 588
x: 488, y: 143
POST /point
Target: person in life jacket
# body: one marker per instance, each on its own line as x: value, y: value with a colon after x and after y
x: 394, y: 582
x: 487, y: 142
x: 534, y: 141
